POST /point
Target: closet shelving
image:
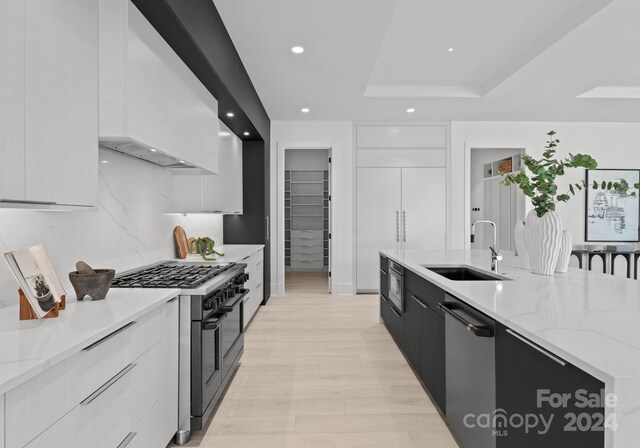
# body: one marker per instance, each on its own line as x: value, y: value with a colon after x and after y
x: 306, y: 219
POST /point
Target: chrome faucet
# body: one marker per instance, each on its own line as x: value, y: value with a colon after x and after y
x: 495, y: 256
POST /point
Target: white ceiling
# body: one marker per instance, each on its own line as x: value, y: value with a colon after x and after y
x: 547, y: 60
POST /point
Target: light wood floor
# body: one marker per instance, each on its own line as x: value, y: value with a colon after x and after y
x: 319, y: 373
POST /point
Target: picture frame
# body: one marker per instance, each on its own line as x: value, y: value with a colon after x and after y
x: 611, y: 216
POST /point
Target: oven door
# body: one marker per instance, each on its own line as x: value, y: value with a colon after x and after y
x: 232, y: 328
x: 396, y: 287
x: 206, y: 362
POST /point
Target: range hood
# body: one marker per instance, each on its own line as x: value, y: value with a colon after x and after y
x: 152, y: 106
x: 138, y: 150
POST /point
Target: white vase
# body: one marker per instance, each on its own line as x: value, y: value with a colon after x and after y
x: 521, y: 248
x: 543, y: 238
x: 564, y: 256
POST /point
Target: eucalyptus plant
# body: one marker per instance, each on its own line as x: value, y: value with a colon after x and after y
x: 205, y: 247
x: 537, y: 178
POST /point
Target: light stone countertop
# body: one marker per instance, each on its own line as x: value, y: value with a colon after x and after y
x: 29, y: 348
x: 588, y: 318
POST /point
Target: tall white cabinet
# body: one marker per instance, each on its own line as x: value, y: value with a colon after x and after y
x: 49, y: 107
x: 398, y: 208
x: 401, y: 193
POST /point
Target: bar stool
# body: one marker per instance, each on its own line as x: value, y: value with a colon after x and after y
x: 626, y: 256
x: 578, y: 254
x: 603, y: 256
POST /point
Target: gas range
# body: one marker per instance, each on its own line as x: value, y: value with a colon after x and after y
x: 211, y: 320
x: 171, y: 274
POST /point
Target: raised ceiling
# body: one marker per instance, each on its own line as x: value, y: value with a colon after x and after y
x: 569, y: 60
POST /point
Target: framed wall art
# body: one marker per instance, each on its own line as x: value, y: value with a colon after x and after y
x: 612, y: 216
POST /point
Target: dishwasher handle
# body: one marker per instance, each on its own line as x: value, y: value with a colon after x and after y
x: 481, y: 331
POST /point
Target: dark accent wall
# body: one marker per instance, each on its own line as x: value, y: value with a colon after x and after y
x: 253, y: 226
x: 195, y: 31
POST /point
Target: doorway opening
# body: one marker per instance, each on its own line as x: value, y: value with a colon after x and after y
x: 307, y: 221
x: 490, y: 200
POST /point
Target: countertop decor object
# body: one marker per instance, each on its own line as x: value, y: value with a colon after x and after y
x: 94, y: 283
x: 205, y: 247
x: 538, y: 180
x: 182, y: 242
x: 564, y: 256
x: 41, y: 294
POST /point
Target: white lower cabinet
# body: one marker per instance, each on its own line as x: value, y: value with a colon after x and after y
x: 255, y: 284
x: 169, y: 372
x: 132, y: 402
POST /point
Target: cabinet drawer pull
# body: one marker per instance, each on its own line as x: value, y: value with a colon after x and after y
x: 258, y: 285
x: 127, y: 440
x: 246, y: 258
x: 535, y: 347
x: 173, y: 300
x: 109, y: 336
x: 419, y: 302
x: 108, y: 384
x: 14, y: 201
x: 384, y: 298
x: 479, y: 330
x: 382, y: 272
x: 395, y: 312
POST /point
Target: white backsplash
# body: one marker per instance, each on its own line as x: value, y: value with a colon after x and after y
x: 131, y: 227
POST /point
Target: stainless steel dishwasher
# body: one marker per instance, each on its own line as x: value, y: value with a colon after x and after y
x: 471, y: 379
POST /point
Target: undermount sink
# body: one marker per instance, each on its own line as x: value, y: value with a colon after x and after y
x: 464, y: 274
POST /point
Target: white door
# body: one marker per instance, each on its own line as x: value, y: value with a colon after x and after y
x: 423, y: 208
x: 378, y: 209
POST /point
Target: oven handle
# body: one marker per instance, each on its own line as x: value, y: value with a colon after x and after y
x: 213, y: 324
x: 227, y: 308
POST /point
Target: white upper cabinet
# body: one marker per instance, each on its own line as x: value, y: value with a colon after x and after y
x: 149, y: 99
x: 220, y: 193
x: 12, y: 172
x: 49, y: 101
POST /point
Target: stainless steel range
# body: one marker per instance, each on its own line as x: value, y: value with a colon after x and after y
x: 211, y: 330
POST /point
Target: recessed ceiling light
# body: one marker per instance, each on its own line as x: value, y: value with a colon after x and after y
x: 450, y: 50
x: 305, y: 110
x: 182, y: 161
x: 153, y: 150
x: 297, y: 50
x: 246, y: 134
x: 229, y: 114
x: 224, y: 134
x: 105, y: 161
x: 411, y: 110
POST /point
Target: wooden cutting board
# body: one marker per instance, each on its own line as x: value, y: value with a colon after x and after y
x: 182, y: 242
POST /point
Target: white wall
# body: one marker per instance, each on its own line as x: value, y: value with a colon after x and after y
x: 128, y: 230
x: 337, y: 135
x: 305, y: 159
x: 613, y: 145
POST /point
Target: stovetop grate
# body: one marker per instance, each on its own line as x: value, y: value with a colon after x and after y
x: 170, y: 275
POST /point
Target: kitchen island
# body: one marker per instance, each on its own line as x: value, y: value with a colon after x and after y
x: 583, y: 319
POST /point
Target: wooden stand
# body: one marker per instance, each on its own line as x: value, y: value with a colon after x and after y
x: 27, y: 312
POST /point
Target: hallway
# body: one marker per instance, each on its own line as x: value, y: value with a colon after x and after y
x: 322, y: 372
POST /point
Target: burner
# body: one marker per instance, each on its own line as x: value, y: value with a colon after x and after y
x: 170, y: 275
